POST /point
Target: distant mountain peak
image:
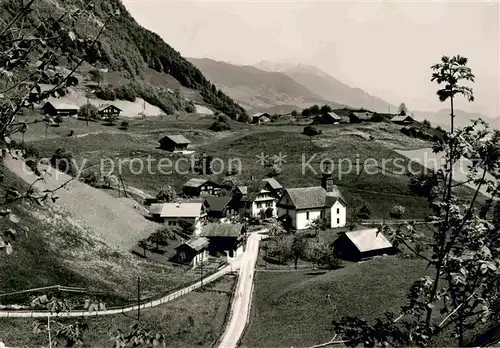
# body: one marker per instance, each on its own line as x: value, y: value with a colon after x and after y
x: 327, y: 86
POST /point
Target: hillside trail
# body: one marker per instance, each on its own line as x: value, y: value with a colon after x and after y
x: 117, y: 222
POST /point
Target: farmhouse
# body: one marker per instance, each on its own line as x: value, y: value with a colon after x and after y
x: 256, y: 197
x: 179, y: 214
x: 106, y: 111
x: 225, y: 238
x: 174, y: 143
x: 362, y: 244
x: 197, y: 187
x: 220, y: 207
x: 275, y: 186
x: 360, y: 116
x: 194, y: 251
x: 299, y: 207
x: 261, y: 117
x: 327, y: 118
x: 56, y: 108
x: 402, y: 120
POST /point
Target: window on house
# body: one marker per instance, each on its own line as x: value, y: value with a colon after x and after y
x: 321, y: 213
x: 307, y: 215
x: 338, y: 210
x: 338, y: 221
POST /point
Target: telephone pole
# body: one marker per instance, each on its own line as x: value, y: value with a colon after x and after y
x: 138, y: 298
x: 201, y: 273
x: 48, y: 329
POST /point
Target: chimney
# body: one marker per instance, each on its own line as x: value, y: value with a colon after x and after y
x: 327, y: 180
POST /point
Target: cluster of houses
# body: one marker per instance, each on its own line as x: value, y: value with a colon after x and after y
x: 345, y: 115
x: 57, y: 108
x: 212, y: 206
x: 210, y: 212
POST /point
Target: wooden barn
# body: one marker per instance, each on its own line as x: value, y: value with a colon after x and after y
x: 109, y: 110
x: 174, y: 143
x: 327, y: 118
x: 56, y: 108
x: 360, y: 116
x: 260, y: 117
x: 220, y: 207
x: 197, y: 187
x: 193, y: 252
x: 402, y: 120
x: 224, y: 238
x: 362, y: 244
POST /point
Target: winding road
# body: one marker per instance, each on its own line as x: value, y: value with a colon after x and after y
x: 242, y: 300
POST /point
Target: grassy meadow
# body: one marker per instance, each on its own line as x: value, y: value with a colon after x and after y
x: 346, y: 146
x: 292, y: 309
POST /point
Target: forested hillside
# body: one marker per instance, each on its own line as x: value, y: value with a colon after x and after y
x: 123, y: 47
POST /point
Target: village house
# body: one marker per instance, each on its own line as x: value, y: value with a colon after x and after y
x: 360, y: 116
x: 56, y: 108
x: 174, y: 143
x: 106, y: 111
x: 299, y: 207
x: 260, y: 117
x: 193, y: 252
x: 255, y: 198
x: 327, y: 118
x: 402, y: 120
x: 225, y: 238
x: 179, y: 214
x: 362, y: 244
x: 275, y: 186
x: 220, y: 207
x: 197, y: 187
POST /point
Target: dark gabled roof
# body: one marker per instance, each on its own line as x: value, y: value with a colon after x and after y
x: 275, y: 185
x: 217, y: 203
x: 222, y: 230
x: 105, y: 106
x: 307, y: 197
x: 242, y: 189
x: 260, y: 114
x: 368, y: 240
x: 314, y: 197
x: 178, y: 139
x: 253, y: 190
x: 362, y: 115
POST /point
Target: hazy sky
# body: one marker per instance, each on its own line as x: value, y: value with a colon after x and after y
x: 385, y: 47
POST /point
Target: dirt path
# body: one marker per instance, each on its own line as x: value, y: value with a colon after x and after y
x: 240, y: 309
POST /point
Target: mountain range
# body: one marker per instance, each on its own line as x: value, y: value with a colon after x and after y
x: 327, y: 86
x: 277, y: 87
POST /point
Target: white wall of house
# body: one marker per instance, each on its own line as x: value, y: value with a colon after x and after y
x: 305, y: 217
x: 338, y: 215
x: 262, y: 202
x: 300, y: 219
x: 259, y: 205
x: 199, y: 258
